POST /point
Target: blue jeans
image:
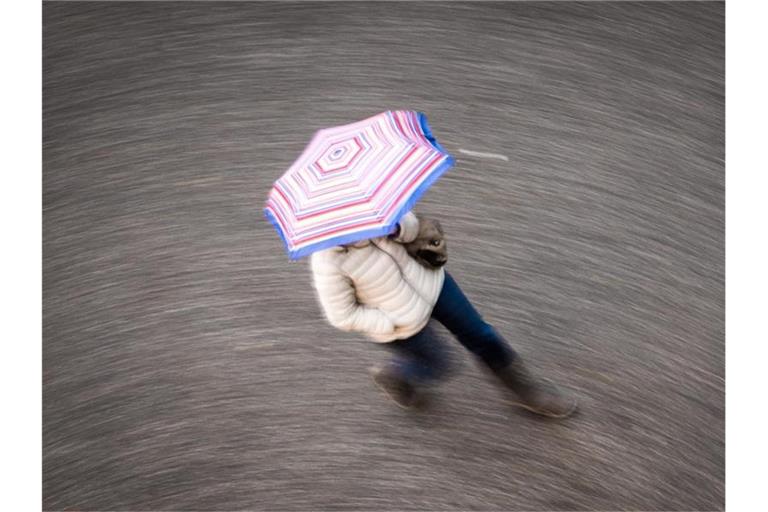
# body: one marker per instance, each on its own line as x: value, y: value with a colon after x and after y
x: 424, y: 356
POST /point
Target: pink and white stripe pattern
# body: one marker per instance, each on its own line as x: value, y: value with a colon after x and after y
x: 355, y: 181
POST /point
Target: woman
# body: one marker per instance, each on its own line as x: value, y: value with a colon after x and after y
x: 376, y: 288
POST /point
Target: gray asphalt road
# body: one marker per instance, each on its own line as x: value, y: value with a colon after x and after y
x: 186, y: 363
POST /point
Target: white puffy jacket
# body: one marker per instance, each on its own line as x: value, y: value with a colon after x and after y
x: 375, y: 288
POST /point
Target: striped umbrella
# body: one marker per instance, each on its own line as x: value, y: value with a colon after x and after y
x: 355, y: 182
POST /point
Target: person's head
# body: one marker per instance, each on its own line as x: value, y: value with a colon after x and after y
x: 429, y: 248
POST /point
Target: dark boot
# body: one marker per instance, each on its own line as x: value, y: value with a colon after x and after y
x: 536, y: 395
x: 402, y: 392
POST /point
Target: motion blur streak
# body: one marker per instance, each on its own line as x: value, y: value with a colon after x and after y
x: 186, y: 363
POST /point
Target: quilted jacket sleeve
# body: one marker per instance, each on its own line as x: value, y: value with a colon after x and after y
x: 409, y: 229
x: 339, y: 303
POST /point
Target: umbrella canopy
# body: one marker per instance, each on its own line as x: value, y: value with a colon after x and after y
x: 355, y: 182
